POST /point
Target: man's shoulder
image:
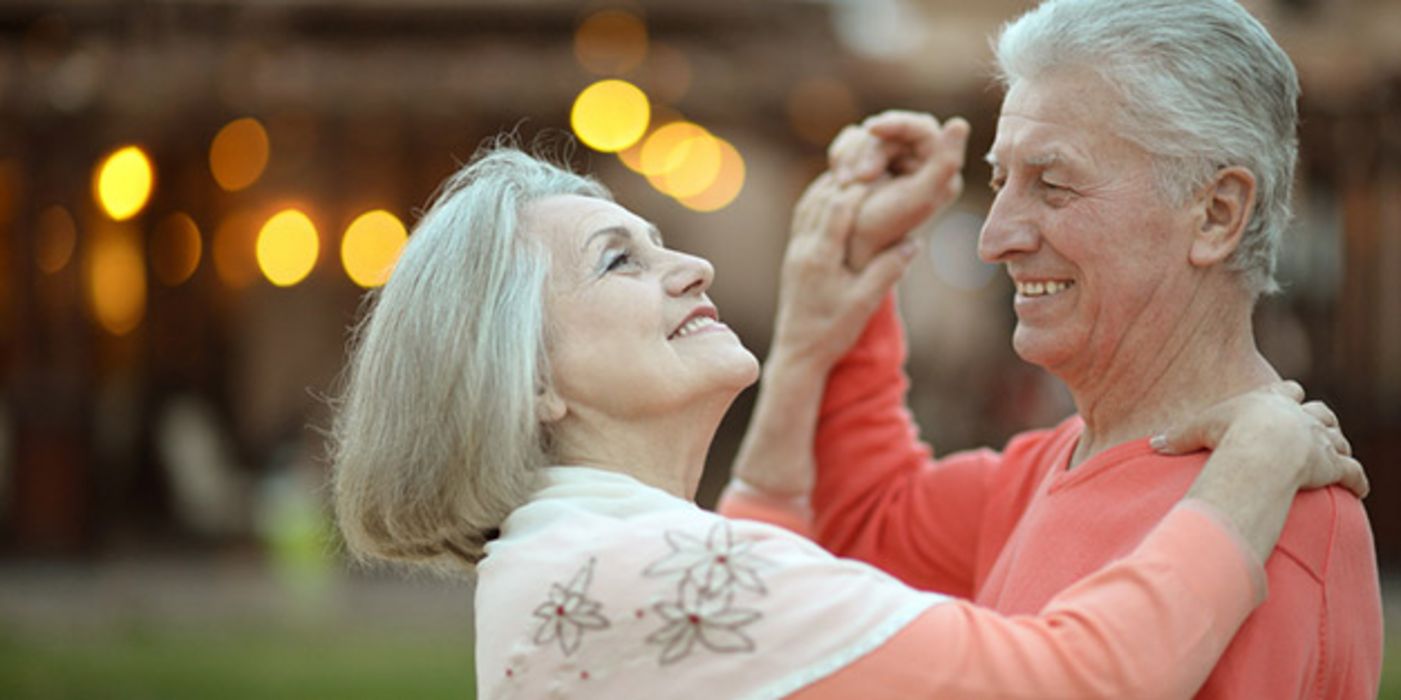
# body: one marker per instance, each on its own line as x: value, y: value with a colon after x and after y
x: 1324, y: 527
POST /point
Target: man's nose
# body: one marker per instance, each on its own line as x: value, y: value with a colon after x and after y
x: 1008, y: 230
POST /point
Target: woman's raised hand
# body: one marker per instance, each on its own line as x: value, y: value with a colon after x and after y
x: 912, y: 165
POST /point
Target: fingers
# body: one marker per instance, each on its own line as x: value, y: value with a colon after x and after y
x: 1354, y: 477
x: 884, y: 270
x: 1291, y: 390
x: 1320, y: 410
x: 1202, y: 433
x: 897, y: 141
x: 857, y: 155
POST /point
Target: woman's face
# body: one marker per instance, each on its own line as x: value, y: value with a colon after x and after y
x: 631, y: 331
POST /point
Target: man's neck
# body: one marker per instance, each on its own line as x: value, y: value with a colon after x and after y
x: 1204, y: 360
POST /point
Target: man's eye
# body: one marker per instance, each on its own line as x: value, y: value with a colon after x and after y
x: 1053, y: 186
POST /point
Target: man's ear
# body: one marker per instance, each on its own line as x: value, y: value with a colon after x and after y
x: 1225, y: 205
x: 549, y: 405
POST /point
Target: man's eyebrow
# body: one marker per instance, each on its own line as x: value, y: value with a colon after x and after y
x: 1039, y: 160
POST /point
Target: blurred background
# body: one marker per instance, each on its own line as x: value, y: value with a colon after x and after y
x: 195, y: 195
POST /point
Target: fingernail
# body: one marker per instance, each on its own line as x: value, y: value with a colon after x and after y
x: 1159, y: 443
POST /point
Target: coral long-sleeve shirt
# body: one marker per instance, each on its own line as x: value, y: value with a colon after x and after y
x: 1010, y: 530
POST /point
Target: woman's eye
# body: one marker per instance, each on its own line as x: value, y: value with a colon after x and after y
x: 618, y: 260
x: 1053, y: 186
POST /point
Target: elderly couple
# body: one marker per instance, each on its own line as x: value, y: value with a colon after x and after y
x: 533, y: 394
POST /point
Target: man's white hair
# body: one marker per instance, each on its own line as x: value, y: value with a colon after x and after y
x: 1202, y: 86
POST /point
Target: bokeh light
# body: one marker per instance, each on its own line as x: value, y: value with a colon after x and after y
x: 610, y: 115
x: 371, y: 246
x: 681, y: 159
x: 239, y: 154
x: 57, y: 237
x: 233, y: 249
x: 175, y: 249
x: 819, y: 107
x: 287, y: 247
x: 115, y: 279
x: 726, y: 185
x: 610, y: 42
x: 123, y: 181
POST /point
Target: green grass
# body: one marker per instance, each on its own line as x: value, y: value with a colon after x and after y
x: 1391, y: 667
x: 305, y: 664
x: 236, y: 665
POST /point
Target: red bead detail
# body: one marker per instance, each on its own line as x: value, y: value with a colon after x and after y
x: 720, y: 559
x: 693, y: 618
x: 583, y: 675
x: 639, y: 614
x: 559, y: 610
x: 510, y: 673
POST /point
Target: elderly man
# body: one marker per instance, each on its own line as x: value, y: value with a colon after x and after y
x: 1142, y: 168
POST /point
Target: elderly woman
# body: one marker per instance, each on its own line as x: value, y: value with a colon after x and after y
x: 1141, y: 173
x: 532, y: 397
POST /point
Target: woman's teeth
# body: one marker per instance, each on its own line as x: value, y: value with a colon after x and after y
x: 694, y: 325
x: 1039, y: 289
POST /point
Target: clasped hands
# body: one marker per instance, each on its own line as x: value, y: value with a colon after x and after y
x: 850, y: 238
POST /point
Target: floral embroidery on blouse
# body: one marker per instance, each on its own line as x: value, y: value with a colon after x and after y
x: 711, y: 573
x: 569, y: 611
x: 715, y: 565
x: 694, y: 617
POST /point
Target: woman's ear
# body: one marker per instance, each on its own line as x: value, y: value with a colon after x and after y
x: 550, y: 407
x: 1226, y: 204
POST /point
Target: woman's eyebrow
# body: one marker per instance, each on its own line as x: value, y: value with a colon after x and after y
x: 614, y: 231
x: 622, y: 232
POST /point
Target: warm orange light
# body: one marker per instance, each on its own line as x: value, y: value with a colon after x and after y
x: 287, y: 247
x: 123, y: 181
x: 58, y: 236
x: 115, y: 279
x: 726, y: 186
x: 371, y: 246
x: 681, y: 159
x: 610, y: 42
x: 175, y: 249
x: 233, y: 250
x: 610, y: 115
x: 664, y: 150
x: 239, y: 154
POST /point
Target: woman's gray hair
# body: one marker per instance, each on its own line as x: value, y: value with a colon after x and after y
x: 1203, y: 86
x: 436, y: 438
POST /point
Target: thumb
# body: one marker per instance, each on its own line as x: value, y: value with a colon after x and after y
x: 1202, y: 432
x: 884, y: 270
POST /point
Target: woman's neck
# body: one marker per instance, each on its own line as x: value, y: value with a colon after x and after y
x: 666, y: 450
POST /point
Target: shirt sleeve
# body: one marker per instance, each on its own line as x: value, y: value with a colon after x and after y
x: 1320, y: 633
x: 742, y: 501
x: 880, y: 496
x: 1148, y: 626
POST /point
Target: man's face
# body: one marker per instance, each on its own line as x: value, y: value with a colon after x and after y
x: 1099, y: 258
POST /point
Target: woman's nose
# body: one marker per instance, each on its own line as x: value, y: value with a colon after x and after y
x: 689, y: 274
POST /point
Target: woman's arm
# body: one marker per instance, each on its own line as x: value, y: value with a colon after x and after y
x: 823, y: 306
x: 1153, y: 624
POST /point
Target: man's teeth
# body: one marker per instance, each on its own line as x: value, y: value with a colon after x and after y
x: 1038, y: 289
x: 694, y: 325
